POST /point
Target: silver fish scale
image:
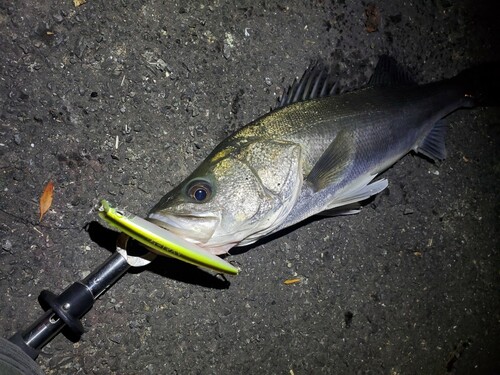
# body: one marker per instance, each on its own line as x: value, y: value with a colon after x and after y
x: 380, y: 126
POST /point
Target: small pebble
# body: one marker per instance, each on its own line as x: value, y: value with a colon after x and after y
x: 408, y: 211
x: 7, y: 245
x: 58, y: 17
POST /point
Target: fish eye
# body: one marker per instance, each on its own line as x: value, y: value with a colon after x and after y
x: 200, y: 191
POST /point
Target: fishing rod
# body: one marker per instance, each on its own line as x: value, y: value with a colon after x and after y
x: 64, y: 311
x: 137, y: 246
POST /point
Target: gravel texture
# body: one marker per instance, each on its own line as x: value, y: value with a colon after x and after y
x: 122, y: 99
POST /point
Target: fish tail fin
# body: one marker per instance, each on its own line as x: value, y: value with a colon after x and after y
x: 481, y: 84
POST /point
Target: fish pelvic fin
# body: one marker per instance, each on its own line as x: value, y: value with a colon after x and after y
x: 349, y: 209
x: 433, y: 145
x: 316, y: 82
x: 333, y: 163
x: 389, y: 73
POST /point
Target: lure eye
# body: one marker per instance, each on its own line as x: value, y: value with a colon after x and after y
x: 200, y: 191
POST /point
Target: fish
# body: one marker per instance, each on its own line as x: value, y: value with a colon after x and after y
x: 319, y: 151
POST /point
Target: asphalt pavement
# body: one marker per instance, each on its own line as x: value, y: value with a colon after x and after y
x: 122, y: 99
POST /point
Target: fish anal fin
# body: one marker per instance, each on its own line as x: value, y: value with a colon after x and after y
x: 333, y: 164
x: 433, y: 145
x: 358, y: 193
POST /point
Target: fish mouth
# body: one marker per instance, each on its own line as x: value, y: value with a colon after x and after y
x: 194, y: 228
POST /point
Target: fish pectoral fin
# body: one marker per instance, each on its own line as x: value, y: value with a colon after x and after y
x: 362, y: 191
x: 332, y: 165
x: 433, y: 146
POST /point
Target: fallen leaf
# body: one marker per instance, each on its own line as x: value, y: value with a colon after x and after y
x: 46, y: 198
x: 372, y: 18
x: 291, y: 281
x: 77, y: 3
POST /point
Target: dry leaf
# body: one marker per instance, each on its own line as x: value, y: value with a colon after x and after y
x: 372, y: 18
x: 77, y: 3
x: 291, y: 281
x: 46, y: 198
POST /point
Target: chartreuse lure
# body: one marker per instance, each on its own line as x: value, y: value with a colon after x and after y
x: 161, y: 241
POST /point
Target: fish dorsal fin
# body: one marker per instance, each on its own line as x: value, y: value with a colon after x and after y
x: 389, y: 73
x: 316, y: 82
x: 334, y: 162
